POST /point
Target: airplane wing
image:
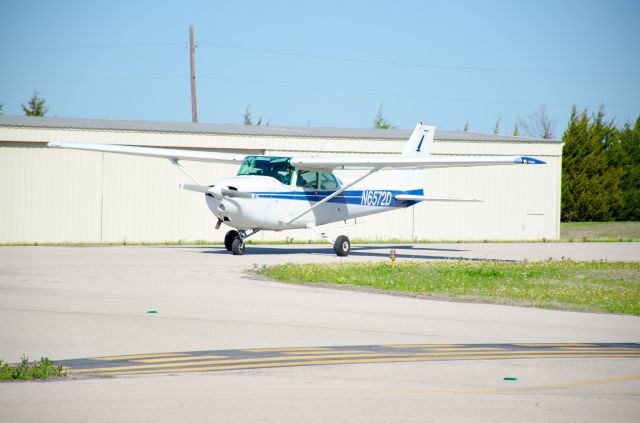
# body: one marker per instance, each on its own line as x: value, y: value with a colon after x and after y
x: 166, y: 153
x: 402, y: 162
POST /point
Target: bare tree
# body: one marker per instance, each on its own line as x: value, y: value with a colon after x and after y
x: 538, y: 124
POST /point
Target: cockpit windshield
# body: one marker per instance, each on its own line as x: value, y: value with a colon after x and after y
x: 275, y: 167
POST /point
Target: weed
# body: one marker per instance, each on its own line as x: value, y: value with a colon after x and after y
x: 42, y: 369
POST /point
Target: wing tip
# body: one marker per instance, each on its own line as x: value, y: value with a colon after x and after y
x: 528, y: 160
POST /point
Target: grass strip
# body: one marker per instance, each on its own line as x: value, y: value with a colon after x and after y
x: 42, y: 369
x: 596, y: 286
x: 569, y: 232
x: 600, y: 231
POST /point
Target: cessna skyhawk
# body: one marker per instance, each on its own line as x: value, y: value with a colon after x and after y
x: 273, y: 193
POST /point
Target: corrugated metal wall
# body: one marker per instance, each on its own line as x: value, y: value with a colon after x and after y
x: 52, y: 195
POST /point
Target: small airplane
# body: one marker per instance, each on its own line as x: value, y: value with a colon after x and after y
x: 277, y: 193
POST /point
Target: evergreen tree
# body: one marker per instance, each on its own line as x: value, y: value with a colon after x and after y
x: 625, y: 154
x: 1, y: 107
x: 36, y: 106
x: 246, y: 116
x: 516, y: 130
x: 590, y: 186
x: 466, y: 126
x: 381, y: 122
x: 496, y: 128
x: 248, y: 119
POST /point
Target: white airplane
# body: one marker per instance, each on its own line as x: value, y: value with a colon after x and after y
x: 278, y: 193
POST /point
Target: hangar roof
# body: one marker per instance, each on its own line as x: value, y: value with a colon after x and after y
x: 229, y: 129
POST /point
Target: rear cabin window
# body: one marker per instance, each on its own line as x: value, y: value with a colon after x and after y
x: 328, y: 181
x: 275, y: 167
x: 308, y: 179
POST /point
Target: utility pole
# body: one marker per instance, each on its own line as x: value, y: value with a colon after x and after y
x: 192, y: 51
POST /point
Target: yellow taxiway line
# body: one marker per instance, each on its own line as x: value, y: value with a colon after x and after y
x: 135, y: 356
x: 260, y: 365
x: 288, y: 360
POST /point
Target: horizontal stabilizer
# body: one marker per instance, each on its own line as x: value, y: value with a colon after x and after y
x: 408, y: 197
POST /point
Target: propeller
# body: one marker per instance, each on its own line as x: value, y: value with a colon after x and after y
x: 217, y: 191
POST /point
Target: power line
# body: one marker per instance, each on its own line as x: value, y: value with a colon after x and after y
x: 420, y: 65
x: 94, y: 46
x: 333, y: 58
x: 387, y: 94
x: 98, y: 78
x: 299, y: 87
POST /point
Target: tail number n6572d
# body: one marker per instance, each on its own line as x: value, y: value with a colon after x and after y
x: 376, y: 198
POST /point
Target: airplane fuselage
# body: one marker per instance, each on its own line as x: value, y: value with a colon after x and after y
x: 274, y: 204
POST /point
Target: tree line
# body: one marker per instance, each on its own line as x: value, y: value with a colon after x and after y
x: 35, y: 106
x: 600, y: 169
x: 600, y: 163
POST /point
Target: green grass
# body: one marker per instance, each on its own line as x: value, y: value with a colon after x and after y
x: 598, y: 286
x: 600, y: 231
x: 42, y: 369
x: 109, y: 244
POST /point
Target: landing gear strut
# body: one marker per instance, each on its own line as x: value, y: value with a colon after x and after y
x: 234, y: 241
x: 341, y: 245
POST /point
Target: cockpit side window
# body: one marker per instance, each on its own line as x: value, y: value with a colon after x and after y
x: 274, y: 167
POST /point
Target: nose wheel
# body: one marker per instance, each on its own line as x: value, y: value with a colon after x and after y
x: 234, y: 241
x: 237, y: 246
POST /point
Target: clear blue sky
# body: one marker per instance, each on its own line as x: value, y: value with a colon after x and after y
x: 328, y: 63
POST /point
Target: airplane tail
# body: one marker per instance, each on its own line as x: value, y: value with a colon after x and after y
x: 419, y: 144
x: 410, y: 180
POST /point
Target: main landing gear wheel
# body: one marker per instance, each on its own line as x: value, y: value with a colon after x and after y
x: 342, y: 246
x: 228, y: 239
x: 237, y: 246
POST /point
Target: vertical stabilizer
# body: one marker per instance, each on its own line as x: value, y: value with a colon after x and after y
x: 418, y: 145
x: 420, y: 142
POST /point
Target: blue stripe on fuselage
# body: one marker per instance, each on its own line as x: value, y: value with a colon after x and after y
x: 381, y: 198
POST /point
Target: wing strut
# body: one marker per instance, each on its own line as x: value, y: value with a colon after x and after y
x: 183, y: 170
x: 335, y: 194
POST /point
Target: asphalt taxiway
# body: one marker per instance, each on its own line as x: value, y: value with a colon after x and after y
x: 98, y: 302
